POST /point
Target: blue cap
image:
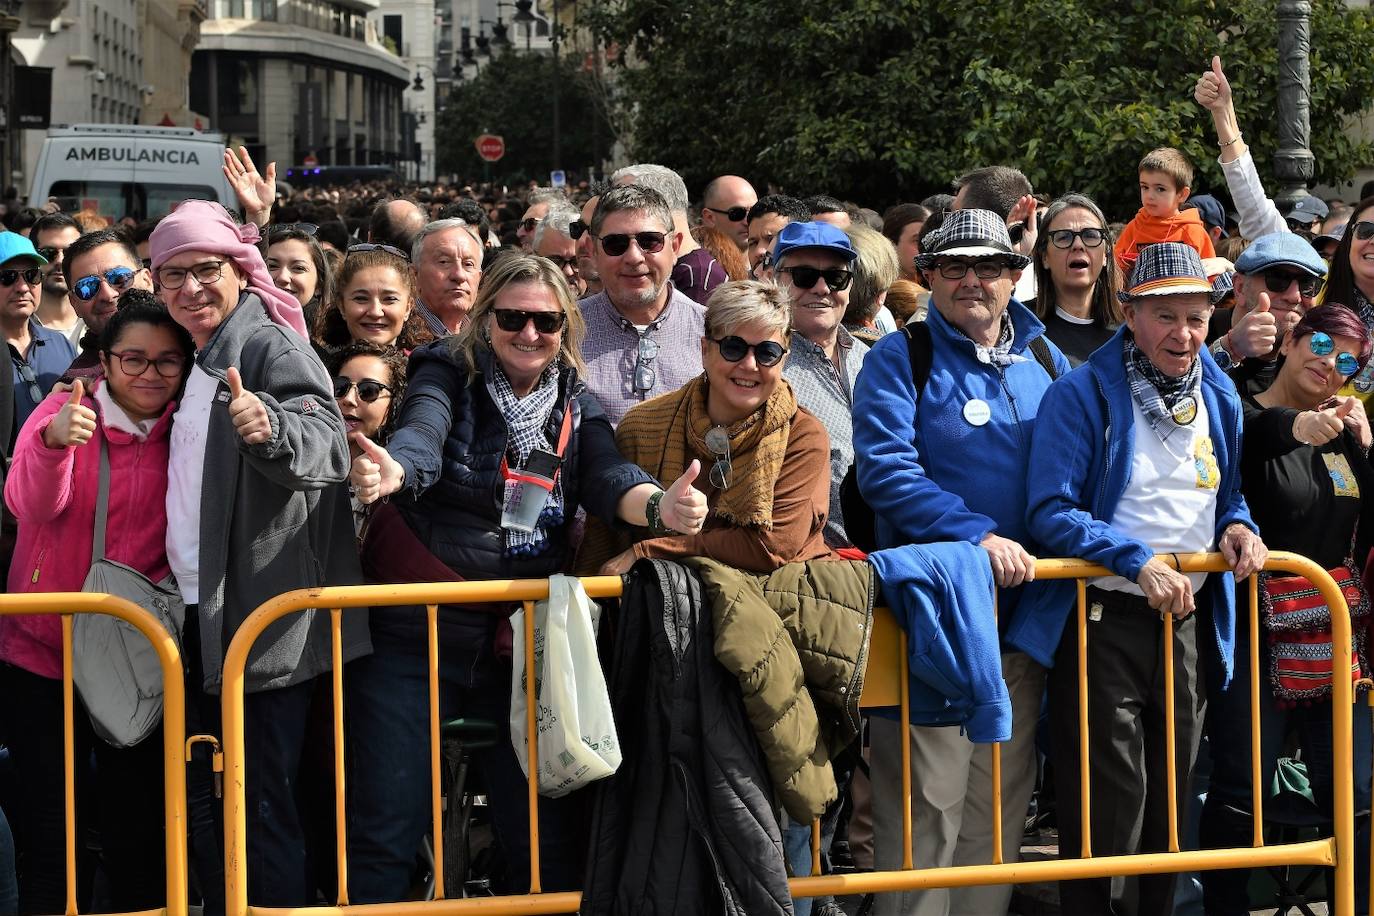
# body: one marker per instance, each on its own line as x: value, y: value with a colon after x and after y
x: 13, y: 245
x: 1281, y: 249
x: 1211, y: 211
x: 813, y: 235
x: 1309, y: 209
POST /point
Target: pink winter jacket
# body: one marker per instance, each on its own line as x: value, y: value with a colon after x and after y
x: 52, y: 492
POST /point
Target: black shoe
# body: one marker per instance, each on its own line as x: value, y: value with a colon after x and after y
x: 826, y: 906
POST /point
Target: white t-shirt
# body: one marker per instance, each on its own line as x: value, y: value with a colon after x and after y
x: 185, y: 475
x: 1171, y: 500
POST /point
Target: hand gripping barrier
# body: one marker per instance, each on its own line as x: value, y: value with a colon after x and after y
x: 886, y: 685
x: 66, y: 605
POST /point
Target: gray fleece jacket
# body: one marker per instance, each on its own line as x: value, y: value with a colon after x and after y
x: 274, y: 516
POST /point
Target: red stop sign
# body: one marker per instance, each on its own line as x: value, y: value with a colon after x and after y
x: 491, y: 147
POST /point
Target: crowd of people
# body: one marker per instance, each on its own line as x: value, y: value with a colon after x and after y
x: 348, y: 385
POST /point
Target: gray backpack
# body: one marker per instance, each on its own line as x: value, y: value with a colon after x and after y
x: 114, y: 666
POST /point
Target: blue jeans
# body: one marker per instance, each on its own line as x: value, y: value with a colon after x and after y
x: 1226, y: 816
x: 387, y: 705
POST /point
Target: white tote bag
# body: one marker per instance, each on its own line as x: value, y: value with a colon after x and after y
x: 577, y: 737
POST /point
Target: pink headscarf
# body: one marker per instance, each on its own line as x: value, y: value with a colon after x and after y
x: 203, y: 225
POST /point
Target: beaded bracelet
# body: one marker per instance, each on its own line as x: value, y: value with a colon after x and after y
x: 1230, y: 142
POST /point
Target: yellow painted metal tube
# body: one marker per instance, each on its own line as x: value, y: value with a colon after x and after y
x: 532, y: 748
x: 340, y: 790
x: 436, y: 790
x: 815, y: 846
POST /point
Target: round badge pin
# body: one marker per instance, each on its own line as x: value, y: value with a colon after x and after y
x: 1185, y: 411
x: 977, y: 412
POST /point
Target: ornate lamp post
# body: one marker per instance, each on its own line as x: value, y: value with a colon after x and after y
x: 1293, y: 161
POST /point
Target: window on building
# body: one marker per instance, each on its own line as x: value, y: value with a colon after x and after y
x: 269, y: 10
x: 392, y: 27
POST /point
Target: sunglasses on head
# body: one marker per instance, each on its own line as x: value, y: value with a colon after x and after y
x: 837, y: 278
x: 576, y: 229
x: 376, y: 246
x: 1321, y: 344
x: 1092, y: 238
x: 304, y: 228
x: 514, y: 320
x: 766, y: 352
x: 87, y: 287
x: 369, y: 389
x: 734, y: 214
x: 1364, y: 230
x: 1278, y: 281
x: 11, y: 275
x: 617, y: 243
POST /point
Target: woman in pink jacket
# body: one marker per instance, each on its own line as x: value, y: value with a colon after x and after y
x: 52, y: 491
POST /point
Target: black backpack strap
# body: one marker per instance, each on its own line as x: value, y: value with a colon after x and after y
x: 920, y: 351
x: 1043, y: 356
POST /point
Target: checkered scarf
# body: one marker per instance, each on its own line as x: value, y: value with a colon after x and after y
x: 527, y: 420
x: 999, y: 354
x: 1157, y: 393
x: 1363, y: 308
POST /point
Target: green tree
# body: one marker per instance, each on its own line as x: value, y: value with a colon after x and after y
x: 880, y: 100
x: 513, y: 96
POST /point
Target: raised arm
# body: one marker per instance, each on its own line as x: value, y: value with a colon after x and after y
x: 1258, y: 214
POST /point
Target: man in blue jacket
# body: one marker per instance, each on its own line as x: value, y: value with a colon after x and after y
x: 948, y: 463
x: 1136, y: 457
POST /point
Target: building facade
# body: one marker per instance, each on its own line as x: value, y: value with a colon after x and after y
x: 412, y: 29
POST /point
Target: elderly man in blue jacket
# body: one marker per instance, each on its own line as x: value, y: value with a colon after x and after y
x: 946, y: 461
x: 1136, y: 457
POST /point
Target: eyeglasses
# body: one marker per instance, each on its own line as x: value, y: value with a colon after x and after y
x: 1364, y: 230
x: 561, y: 262
x: 718, y: 441
x: 645, y: 376
x: 734, y: 214
x: 766, y: 352
x: 135, y: 363
x: 803, y: 277
x: 369, y: 389
x: 11, y: 275
x: 49, y: 253
x: 576, y: 228
x: 1347, y: 364
x: 204, y: 273
x: 983, y: 270
x: 1278, y: 281
x: 304, y: 228
x: 375, y: 246
x: 514, y: 320
x: 617, y: 243
x: 529, y: 223
x: 118, y: 278
x: 1092, y: 238
x: 26, y: 373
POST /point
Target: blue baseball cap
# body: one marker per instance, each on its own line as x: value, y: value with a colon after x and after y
x: 1281, y: 249
x: 13, y: 245
x: 1211, y: 211
x: 794, y: 236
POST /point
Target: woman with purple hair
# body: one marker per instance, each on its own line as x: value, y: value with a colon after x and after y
x: 1304, y: 471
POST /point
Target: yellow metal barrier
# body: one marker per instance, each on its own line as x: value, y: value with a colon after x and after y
x: 886, y: 684
x: 66, y: 605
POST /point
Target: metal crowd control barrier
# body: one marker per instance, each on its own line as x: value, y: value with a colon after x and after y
x: 886, y: 684
x: 66, y: 605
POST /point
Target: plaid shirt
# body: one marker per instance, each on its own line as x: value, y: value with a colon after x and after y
x: 611, y: 350
x: 828, y: 393
x: 431, y: 320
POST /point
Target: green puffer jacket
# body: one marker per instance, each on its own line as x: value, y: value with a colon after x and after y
x: 804, y: 625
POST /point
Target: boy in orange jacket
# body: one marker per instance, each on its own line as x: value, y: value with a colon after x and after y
x: 1165, y: 176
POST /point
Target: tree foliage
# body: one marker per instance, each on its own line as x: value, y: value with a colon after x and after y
x: 881, y: 100
x: 513, y: 96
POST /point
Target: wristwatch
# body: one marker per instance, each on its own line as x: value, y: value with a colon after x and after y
x: 1224, y: 360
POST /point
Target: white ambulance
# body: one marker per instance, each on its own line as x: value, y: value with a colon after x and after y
x: 120, y: 170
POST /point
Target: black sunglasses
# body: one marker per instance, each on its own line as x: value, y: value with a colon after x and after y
x: 1092, y: 238
x: 1278, y: 281
x: 49, y: 252
x: 26, y: 373
x: 561, y: 262
x: 514, y: 320
x: 529, y: 223
x: 617, y: 243
x: 11, y: 275
x: 87, y: 287
x: 375, y: 246
x: 766, y: 352
x: 369, y: 389
x: 734, y: 214
x: 576, y: 228
x: 1364, y: 230
x: 803, y: 277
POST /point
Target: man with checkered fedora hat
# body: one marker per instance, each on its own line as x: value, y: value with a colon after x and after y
x: 1135, y: 460
x: 943, y: 459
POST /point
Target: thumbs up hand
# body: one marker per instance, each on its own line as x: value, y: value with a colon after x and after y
x: 1256, y: 334
x: 249, y: 414
x: 74, y: 424
x: 684, y: 506
x: 375, y: 473
x: 1213, y: 90
x: 1318, y: 427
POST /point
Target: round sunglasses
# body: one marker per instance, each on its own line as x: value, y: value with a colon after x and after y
x: 1321, y: 344
x: 87, y: 287
x: 369, y: 389
x: 766, y: 352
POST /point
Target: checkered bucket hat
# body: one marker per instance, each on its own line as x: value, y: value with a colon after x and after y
x: 1166, y: 269
x: 973, y: 234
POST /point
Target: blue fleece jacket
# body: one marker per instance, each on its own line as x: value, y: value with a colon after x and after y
x: 1080, y: 466
x: 942, y: 596
x: 928, y: 473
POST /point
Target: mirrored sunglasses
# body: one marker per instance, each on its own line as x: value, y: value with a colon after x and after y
x: 87, y: 287
x: 1321, y: 344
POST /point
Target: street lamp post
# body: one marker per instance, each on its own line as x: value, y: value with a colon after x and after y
x: 1293, y: 161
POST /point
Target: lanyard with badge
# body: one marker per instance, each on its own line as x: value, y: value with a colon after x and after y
x: 527, y: 489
